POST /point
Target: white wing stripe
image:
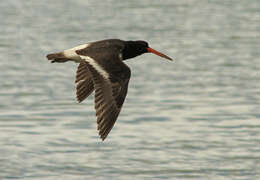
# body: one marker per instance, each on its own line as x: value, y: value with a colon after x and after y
x: 95, y: 65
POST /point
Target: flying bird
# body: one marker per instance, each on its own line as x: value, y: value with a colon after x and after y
x: 101, y: 68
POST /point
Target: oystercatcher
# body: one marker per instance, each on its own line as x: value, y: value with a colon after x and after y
x: 101, y: 68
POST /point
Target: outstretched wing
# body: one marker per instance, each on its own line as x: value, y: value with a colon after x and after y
x: 111, y: 84
x: 85, y: 85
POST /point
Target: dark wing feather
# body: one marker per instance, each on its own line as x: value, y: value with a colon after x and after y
x: 85, y: 85
x: 110, y: 77
x: 109, y: 98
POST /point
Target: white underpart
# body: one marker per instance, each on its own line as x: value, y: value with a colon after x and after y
x: 96, y: 66
x: 71, y: 53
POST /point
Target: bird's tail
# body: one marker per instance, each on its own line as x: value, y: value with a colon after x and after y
x: 57, y: 57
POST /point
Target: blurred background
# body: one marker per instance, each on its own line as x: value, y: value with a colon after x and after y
x: 195, y: 118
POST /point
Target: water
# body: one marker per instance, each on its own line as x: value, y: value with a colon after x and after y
x: 195, y: 118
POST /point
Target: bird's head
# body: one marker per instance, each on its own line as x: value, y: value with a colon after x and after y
x: 136, y: 48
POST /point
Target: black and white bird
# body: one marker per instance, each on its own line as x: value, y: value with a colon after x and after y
x: 101, y: 68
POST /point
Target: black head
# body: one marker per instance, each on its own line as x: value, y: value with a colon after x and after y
x: 136, y: 48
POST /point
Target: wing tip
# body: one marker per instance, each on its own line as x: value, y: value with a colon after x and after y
x: 102, y: 134
x: 103, y: 137
x: 79, y: 100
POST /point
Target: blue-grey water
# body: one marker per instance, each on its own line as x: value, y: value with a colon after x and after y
x: 195, y: 118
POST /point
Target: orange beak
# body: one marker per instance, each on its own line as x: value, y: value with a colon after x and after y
x: 151, y: 50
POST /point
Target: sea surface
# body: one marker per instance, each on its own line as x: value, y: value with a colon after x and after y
x: 197, y: 117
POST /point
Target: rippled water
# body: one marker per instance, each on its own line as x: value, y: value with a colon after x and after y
x: 196, y: 118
